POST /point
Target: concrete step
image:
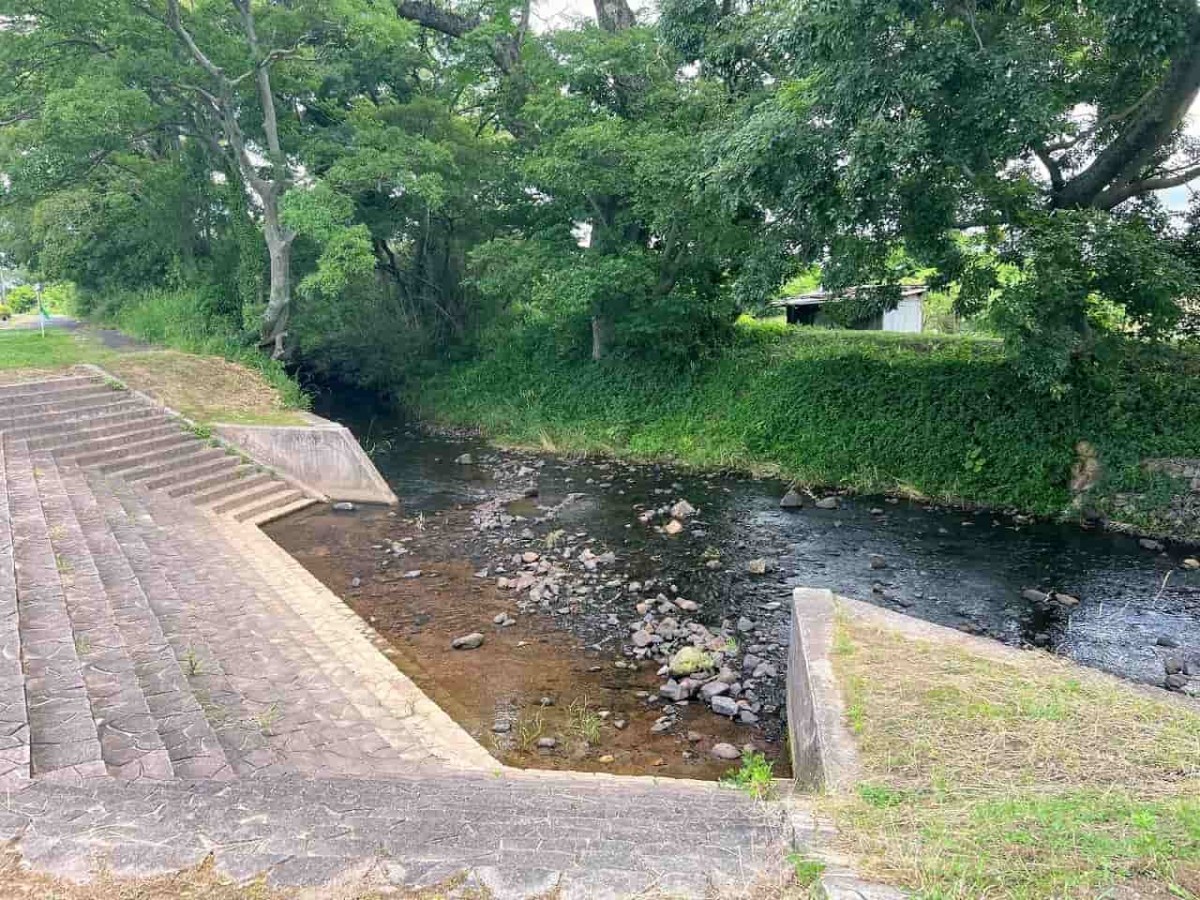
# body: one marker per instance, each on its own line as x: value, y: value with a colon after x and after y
x: 113, y: 460
x: 211, y: 720
x: 62, y: 734
x: 73, y: 446
x: 77, y: 415
x: 10, y: 403
x: 182, y: 474
x: 273, y: 504
x: 98, y: 424
x: 175, y: 465
x: 14, y: 719
x: 251, y: 496
x: 130, y: 743
x: 515, y: 837
x: 312, y: 697
x: 70, y: 433
x: 45, y: 385
x: 243, y: 479
x: 279, y: 512
x: 138, y: 603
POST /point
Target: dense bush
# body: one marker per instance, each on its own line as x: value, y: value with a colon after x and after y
x: 948, y: 417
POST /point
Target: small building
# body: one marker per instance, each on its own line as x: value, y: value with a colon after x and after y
x: 908, y: 316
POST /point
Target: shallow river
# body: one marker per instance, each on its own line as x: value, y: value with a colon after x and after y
x: 966, y: 570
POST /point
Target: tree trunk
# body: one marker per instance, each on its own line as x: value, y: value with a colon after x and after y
x: 279, y: 249
x: 601, y: 336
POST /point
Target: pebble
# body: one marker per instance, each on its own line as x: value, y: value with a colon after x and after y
x: 877, y: 561
x: 468, y: 641
x: 501, y: 728
x: 1150, y: 544
x: 725, y: 751
x: 606, y: 758
x: 546, y: 743
x: 682, y: 510
x: 791, y: 500
x: 344, y: 506
x: 355, y: 582
x: 1191, y: 563
x: 757, y: 567
x: 464, y: 459
x: 673, y: 527
x: 827, y: 503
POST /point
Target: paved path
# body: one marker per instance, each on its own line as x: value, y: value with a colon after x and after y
x: 174, y: 686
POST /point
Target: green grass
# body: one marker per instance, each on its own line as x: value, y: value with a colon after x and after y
x: 988, y: 778
x: 754, y: 776
x: 30, y: 350
x: 942, y: 417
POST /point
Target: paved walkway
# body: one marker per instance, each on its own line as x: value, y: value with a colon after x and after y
x: 173, y: 686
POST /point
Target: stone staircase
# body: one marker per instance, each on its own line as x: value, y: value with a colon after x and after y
x: 98, y: 424
x: 174, y: 686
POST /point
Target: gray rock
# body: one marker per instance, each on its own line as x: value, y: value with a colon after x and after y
x: 877, y: 561
x: 1150, y: 544
x: 546, y: 743
x: 468, y: 641
x: 501, y: 728
x: 1064, y: 599
x: 355, y: 582
x: 745, y: 625
x: 1034, y: 596
x: 1167, y: 641
x: 725, y: 751
x: 642, y: 638
x: 682, y: 510
x: 343, y: 506
x: 1192, y: 666
x: 1172, y: 665
x: 759, y: 566
x: 724, y: 706
x: 746, y: 717
x: 1176, y: 682
x: 750, y: 662
x: 465, y: 459
x: 827, y: 503
x: 793, y: 499
x: 714, y: 689
x: 678, y: 690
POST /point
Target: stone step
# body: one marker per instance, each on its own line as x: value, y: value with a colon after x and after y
x: 176, y: 465
x: 551, y: 835
x: 251, y: 495
x: 9, y: 402
x: 321, y: 723
x: 211, y: 488
x: 274, y: 504
x: 278, y: 512
x: 61, y: 404
x: 141, y: 606
x: 45, y: 385
x: 208, y: 466
x: 113, y: 460
x: 211, y: 721
x: 62, y: 733
x: 71, y: 433
x: 73, y: 415
x: 130, y: 743
x: 14, y: 720
x: 98, y: 423
x: 71, y: 447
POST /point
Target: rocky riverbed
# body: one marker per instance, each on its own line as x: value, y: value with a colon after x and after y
x: 649, y: 606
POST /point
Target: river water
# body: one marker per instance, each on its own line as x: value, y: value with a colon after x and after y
x: 966, y: 570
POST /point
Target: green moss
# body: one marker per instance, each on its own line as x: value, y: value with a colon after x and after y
x: 942, y: 417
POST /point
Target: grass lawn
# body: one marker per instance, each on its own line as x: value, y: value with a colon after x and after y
x: 988, y: 778
x: 204, y: 388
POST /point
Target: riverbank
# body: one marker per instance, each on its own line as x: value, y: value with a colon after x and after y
x: 942, y: 418
x: 205, y: 387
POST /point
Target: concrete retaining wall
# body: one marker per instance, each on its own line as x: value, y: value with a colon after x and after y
x: 323, y: 457
x: 823, y: 756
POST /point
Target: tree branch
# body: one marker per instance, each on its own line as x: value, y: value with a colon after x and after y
x: 1145, y: 132
x: 1118, y: 194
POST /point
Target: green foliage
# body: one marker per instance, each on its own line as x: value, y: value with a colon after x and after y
x: 22, y: 298
x: 945, y: 417
x: 754, y: 776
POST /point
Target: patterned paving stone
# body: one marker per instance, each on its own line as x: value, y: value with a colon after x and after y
x: 174, y: 686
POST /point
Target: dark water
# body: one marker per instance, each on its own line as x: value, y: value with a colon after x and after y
x: 964, y: 570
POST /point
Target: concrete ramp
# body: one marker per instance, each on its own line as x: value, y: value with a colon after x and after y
x: 322, y: 456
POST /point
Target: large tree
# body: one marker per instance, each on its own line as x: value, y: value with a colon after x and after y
x: 1018, y: 147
